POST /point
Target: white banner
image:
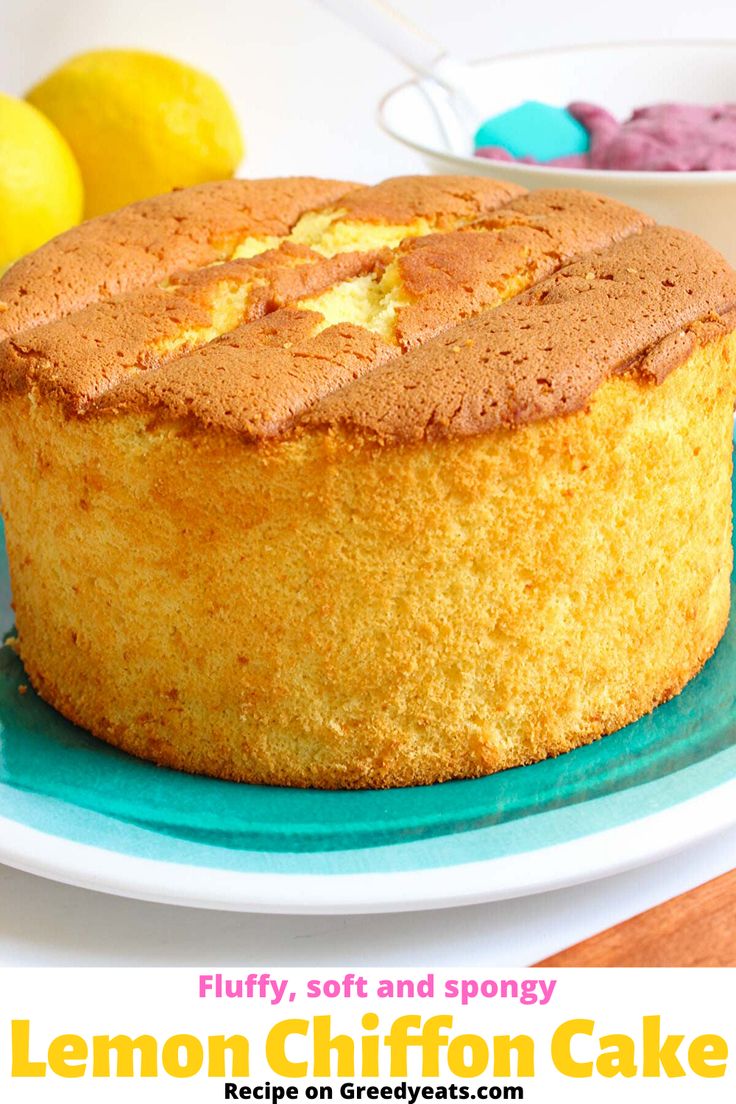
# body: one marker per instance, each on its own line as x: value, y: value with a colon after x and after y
x: 367, y: 1035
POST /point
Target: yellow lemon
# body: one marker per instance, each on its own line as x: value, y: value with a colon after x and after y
x: 40, y: 183
x: 139, y: 124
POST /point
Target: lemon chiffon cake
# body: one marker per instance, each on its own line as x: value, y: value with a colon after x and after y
x: 315, y: 484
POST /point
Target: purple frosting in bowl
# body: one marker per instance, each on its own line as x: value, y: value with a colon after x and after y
x: 667, y: 137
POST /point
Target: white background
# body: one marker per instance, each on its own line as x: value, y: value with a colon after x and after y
x: 305, y: 87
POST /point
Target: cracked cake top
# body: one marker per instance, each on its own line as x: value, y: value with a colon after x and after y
x: 418, y: 308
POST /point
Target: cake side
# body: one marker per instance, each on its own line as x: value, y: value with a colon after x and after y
x: 319, y: 613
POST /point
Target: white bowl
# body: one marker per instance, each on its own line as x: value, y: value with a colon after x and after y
x: 617, y: 76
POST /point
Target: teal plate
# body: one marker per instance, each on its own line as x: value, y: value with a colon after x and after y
x: 56, y: 778
x: 44, y: 754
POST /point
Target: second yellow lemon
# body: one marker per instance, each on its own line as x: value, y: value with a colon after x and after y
x: 139, y: 124
x: 40, y: 185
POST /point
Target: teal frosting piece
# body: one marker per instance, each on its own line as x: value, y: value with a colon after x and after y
x: 536, y: 130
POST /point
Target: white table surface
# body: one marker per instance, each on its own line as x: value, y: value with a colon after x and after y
x: 305, y: 88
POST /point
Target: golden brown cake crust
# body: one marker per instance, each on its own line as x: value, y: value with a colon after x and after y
x: 637, y: 307
x: 457, y: 307
x: 149, y: 240
x: 417, y: 308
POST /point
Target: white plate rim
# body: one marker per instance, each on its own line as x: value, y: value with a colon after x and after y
x: 600, y: 854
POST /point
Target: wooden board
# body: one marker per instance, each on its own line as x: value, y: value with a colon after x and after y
x: 695, y: 929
